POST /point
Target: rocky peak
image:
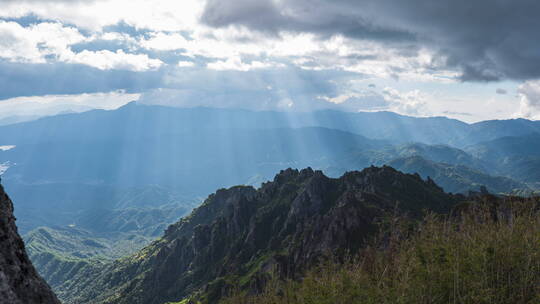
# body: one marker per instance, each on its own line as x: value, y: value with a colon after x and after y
x: 19, y: 281
x: 239, y: 233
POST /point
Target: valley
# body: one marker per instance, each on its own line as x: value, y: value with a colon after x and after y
x: 86, y: 207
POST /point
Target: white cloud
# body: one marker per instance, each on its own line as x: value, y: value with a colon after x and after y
x: 165, y: 42
x: 35, y: 42
x: 6, y: 147
x: 185, y: 64
x: 163, y: 15
x: 304, y: 50
x: 106, y: 60
x: 409, y: 102
x: 529, y: 95
x: 412, y: 103
x: 236, y: 64
x: 36, y: 106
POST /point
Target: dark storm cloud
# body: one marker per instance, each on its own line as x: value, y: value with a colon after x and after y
x: 23, y: 79
x: 487, y: 40
x: 323, y: 17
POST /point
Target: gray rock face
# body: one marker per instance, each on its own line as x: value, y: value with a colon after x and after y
x: 19, y: 281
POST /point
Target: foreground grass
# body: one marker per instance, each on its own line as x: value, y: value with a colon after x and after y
x: 486, y: 255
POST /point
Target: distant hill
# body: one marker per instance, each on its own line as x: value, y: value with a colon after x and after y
x: 97, y: 236
x: 457, y: 178
x: 514, y: 156
x: 438, y: 153
x: 493, y: 129
x: 63, y: 204
x: 135, y: 120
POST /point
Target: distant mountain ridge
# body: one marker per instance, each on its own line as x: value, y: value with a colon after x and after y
x: 375, y: 125
x: 456, y: 178
x: 513, y: 156
x: 81, y: 157
x: 125, y: 146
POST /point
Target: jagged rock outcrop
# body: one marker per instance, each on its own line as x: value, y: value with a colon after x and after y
x: 240, y: 234
x: 19, y: 281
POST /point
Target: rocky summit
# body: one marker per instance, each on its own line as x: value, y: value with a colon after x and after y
x: 241, y: 234
x: 19, y: 281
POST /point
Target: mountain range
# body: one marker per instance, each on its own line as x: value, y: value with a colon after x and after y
x: 140, y: 145
x: 93, y: 188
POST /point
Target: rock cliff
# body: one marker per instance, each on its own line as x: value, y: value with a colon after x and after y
x: 19, y: 281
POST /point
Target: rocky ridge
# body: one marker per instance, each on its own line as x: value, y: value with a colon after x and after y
x: 19, y: 281
x: 239, y: 235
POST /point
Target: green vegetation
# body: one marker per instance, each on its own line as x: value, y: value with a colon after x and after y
x: 60, y: 253
x: 484, y: 255
x: 458, y: 178
x: 99, y: 237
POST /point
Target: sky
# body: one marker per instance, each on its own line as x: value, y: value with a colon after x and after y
x: 469, y: 60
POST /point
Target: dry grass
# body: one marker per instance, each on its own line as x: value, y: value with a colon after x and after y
x: 485, y: 255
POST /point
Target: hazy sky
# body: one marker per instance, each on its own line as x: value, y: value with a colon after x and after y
x: 471, y: 60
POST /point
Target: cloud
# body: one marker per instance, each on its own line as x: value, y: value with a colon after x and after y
x: 358, y: 101
x: 529, y: 95
x: 25, y: 79
x: 408, y: 56
x: 319, y: 16
x: 37, y: 106
x: 287, y: 88
x: 409, y: 103
x: 457, y: 113
x: 185, y: 64
x: 96, y: 14
x: 45, y: 42
x: 236, y: 64
x: 36, y: 42
x: 485, y: 40
x: 501, y: 91
x: 220, y: 49
x: 107, y: 60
